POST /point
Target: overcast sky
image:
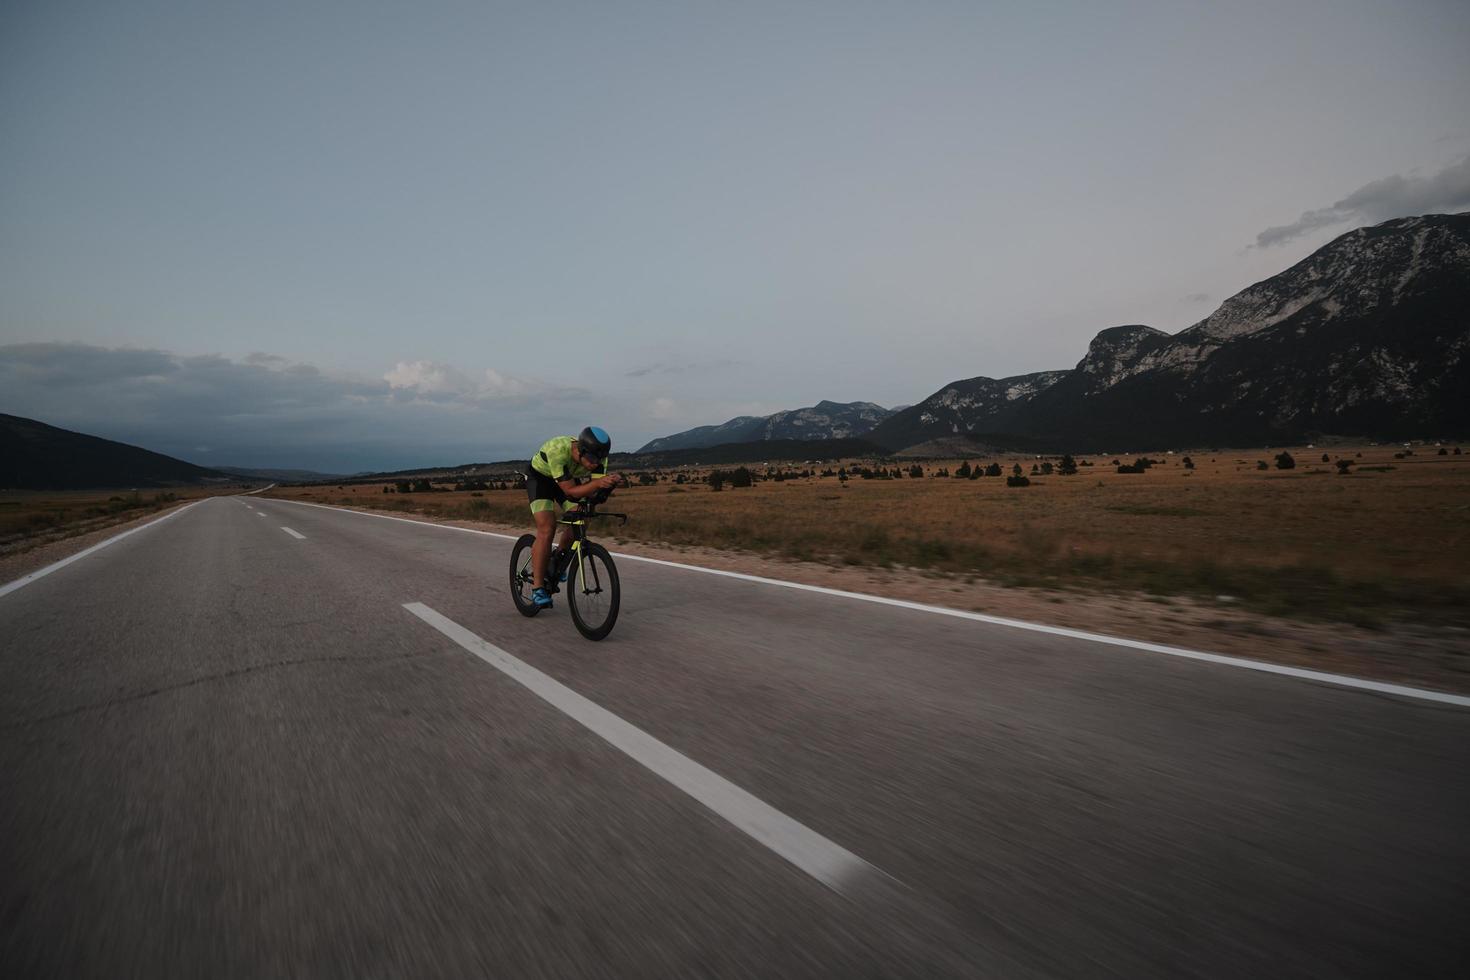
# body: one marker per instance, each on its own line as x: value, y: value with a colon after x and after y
x: 369, y: 235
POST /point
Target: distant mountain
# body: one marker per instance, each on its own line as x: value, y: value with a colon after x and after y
x: 1368, y: 336
x: 994, y: 404
x: 824, y: 420
x: 739, y: 429
x: 785, y: 450
x: 285, y: 476
x: 36, y: 456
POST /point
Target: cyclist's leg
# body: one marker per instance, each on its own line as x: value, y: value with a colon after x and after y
x: 567, y: 536
x: 545, y: 530
x: 543, y: 494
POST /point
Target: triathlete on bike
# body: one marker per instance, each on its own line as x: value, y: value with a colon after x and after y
x: 564, y: 469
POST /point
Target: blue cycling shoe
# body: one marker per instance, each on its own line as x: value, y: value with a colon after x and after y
x: 541, y: 598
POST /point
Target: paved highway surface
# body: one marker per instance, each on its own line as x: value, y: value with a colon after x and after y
x: 233, y: 750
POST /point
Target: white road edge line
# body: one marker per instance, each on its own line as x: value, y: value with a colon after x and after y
x: 829, y: 863
x: 295, y: 534
x: 1242, y: 663
x: 25, y: 580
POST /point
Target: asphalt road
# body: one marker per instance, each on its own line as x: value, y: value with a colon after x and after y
x: 227, y: 750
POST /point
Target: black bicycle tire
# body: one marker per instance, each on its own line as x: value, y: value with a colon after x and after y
x: 595, y: 552
x: 523, y: 604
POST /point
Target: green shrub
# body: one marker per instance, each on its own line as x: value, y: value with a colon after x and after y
x: 929, y: 552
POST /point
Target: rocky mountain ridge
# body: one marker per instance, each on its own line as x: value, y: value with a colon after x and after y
x: 1368, y: 336
x: 824, y: 420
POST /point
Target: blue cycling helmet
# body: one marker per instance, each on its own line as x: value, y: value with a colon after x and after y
x: 594, y: 442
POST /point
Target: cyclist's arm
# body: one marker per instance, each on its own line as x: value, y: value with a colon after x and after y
x: 577, y: 491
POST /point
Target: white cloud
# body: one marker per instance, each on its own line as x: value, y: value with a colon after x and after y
x: 663, y: 410
x: 431, y: 380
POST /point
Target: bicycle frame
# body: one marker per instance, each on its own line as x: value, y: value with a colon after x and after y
x: 577, y: 520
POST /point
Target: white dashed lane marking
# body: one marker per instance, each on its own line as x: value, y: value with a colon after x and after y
x: 831, y: 864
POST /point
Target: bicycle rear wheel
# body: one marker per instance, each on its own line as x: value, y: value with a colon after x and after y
x: 522, y: 579
x: 592, y: 592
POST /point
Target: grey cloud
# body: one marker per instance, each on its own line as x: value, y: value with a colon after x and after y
x: 1196, y: 298
x: 73, y: 365
x: 1379, y: 200
x: 262, y: 410
x: 677, y: 368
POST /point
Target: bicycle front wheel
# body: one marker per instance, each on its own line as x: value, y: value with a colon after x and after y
x: 592, y: 592
x: 521, y: 577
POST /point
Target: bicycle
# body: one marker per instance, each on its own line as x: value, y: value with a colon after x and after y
x: 592, y: 579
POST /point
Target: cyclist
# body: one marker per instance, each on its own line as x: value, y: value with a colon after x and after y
x: 563, y: 469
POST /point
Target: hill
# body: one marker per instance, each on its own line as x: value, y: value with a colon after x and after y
x: 282, y: 476
x: 36, y: 456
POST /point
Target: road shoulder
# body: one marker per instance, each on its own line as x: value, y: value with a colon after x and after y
x: 22, y: 563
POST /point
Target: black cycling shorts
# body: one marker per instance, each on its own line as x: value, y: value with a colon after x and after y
x: 543, y: 492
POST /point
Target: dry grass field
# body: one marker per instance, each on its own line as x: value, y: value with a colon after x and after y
x: 30, y: 519
x: 1386, y: 540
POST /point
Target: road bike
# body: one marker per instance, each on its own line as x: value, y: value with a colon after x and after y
x: 592, y: 578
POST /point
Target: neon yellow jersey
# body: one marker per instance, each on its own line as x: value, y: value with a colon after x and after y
x: 554, y: 459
